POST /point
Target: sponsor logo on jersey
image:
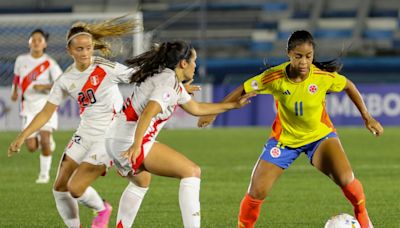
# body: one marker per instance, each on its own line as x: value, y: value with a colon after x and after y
x: 275, y: 152
x: 287, y: 92
x: 72, y: 86
x: 94, y: 80
x: 93, y: 156
x: 254, y: 85
x: 312, y: 88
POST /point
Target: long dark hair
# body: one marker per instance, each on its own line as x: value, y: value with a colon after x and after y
x: 159, y: 57
x: 300, y: 37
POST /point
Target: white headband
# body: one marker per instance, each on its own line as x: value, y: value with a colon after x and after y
x: 79, y: 33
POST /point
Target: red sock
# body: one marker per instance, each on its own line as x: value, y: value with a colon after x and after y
x: 249, y: 211
x: 355, y: 194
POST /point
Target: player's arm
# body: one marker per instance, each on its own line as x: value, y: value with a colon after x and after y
x: 201, y: 109
x: 43, y: 87
x: 372, y: 125
x: 204, y: 121
x: 14, y: 88
x: 152, y: 109
x: 40, y: 119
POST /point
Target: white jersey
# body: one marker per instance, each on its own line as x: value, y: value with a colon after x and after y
x: 34, y: 71
x: 96, y: 91
x: 165, y: 89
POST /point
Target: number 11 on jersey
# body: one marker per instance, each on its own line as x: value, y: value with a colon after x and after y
x: 298, y: 108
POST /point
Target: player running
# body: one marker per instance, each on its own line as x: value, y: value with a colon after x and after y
x: 34, y: 75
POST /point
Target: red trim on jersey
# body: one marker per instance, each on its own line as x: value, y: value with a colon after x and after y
x: 93, y: 82
x: 16, y: 80
x: 119, y: 225
x: 271, y: 79
x: 129, y: 111
x: 33, y: 75
x: 325, y: 118
x: 276, y: 126
x: 267, y: 77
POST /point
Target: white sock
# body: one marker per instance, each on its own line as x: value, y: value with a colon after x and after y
x: 92, y: 199
x: 45, y: 165
x: 189, y: 191
x: 129, y: 204
x: 68, y: 208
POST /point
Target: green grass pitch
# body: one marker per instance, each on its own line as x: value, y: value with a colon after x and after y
x: 302, y: 197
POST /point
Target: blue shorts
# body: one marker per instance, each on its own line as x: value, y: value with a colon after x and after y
x: 283, y: 156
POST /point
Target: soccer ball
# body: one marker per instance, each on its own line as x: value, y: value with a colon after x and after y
x: 342, y: 221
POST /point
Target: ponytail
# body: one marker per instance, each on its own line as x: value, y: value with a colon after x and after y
x: 99, y: 31
x: 159, y: 57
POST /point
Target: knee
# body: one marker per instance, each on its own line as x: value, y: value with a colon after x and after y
x: 143, y: 182
x: 343, y: 179
x: 75, y: 191
x: 31, y: 147
x: 59, y: 187
x: 195, y: 171
x: 191, y: 170
x: 258, y: 193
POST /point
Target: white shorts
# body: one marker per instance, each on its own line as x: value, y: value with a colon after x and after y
x: 50, y: 126
x: 83, y: 149
x: 115, y: 148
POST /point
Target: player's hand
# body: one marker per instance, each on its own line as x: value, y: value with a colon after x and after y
x: 191, y: 88
x: 15, y: 146
x: 204, y: 121
x: 373, y: 126
x: 14, y: 96
x: 132, y: 153
x: 244, y: 100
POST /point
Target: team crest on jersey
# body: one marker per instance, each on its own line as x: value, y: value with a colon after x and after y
x: 166, y: 97
x: 312, y: 88
x: 94, y: 80
x: 254, y: 85
x: 275, y: 152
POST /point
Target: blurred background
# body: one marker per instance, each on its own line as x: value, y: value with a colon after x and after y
x: 234, y: 39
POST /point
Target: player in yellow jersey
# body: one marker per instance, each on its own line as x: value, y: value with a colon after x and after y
x: 302, y: 125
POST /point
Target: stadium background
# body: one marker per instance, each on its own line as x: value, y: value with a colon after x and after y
x: 234, y: 40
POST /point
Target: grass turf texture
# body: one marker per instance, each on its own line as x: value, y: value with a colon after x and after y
x: 302, y: 197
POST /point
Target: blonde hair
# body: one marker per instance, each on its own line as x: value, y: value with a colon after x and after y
x: 114, y: 27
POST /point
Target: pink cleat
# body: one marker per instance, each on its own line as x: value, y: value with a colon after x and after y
x: 103, y: 217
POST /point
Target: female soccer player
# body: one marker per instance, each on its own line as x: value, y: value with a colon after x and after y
x: 302, y: 125
x: 93, y: 83
x: 131, y: 138
x: 34, y: 74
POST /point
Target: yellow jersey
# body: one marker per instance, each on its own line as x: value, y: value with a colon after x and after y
x: 301, y: 115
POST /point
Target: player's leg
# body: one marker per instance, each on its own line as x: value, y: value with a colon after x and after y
x: 262, y: 179
x: 132, y: 198
x: 80, y: 189
x: 67, y: 206
x: 45, y: 157
x: 165, y: 161
x: 32, y: 144
x: 134, y: 193
x: 331, y: 159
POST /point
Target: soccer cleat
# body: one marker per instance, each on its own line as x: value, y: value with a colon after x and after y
x: 52, y: 144
x: 43, y: 179
x: 103, y: 217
